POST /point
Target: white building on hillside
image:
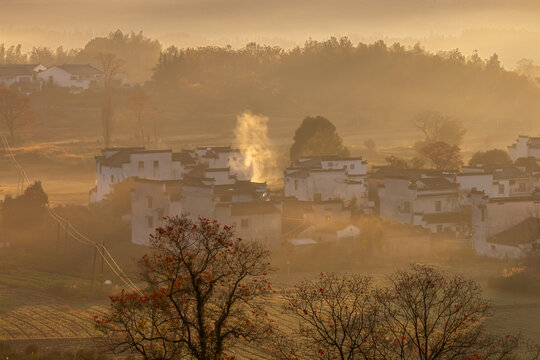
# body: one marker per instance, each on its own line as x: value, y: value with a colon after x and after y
x: 505, y: 227
x: 118, y: 164
x: 215, y: 165
x: 77, y: 77
x: 430, y: 202
x: 327, y: 178
x: 241, y: 204
x: 22, y: 76
x: 496, y: 181
x: 524, y: 147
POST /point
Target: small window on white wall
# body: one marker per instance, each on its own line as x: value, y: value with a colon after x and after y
x: 141, y: 164
x: 438, y: 205
x: 150, y: 221
x: 501, y: 188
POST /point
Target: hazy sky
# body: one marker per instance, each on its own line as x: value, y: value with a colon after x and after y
x: 287, y: 22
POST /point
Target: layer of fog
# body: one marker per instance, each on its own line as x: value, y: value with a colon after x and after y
x: 437, y: 24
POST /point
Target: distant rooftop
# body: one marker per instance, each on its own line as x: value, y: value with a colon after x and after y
x: 525, y: 232
x: 80, y: 69
x: 17, y: 69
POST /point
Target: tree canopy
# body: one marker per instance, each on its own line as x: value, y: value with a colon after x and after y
x: 490, y: 157
x: 27, y: 209
x: 442, y: 155
x: 317, y: 136
x: 15, y: 112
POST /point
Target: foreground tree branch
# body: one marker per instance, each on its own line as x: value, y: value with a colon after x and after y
x: 198, y: 302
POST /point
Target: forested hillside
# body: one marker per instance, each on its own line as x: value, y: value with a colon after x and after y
x: 367, y: 83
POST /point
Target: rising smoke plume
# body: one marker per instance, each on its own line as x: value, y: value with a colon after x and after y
x: 252, y: 138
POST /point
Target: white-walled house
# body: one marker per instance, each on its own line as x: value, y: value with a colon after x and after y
x: 118, y: 164
x: 506, y: 181
x: 327, y: 178
x: 430, y: 202
x: 77, y: 77
x: 22, y: 76
x: 225, y: 157
x: 151, y: 200
x: 505, y: 227
x: 524, y: 147
x: 254, y: 221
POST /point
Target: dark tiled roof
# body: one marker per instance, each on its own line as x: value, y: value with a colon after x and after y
x: 116, y: 160
x: 123, y: 156
x: 80, y: 69
x: 437, y: 183
x: 184, y: 157
x: 17, y: 69
x: 508, y: 173
x: 412, y: 174
x: 525, y: 232
x: 300, y: 174
x: 244, y: 187
x: 528, y: 163
x: 253, y: 208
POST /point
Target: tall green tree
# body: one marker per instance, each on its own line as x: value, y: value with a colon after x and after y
x: 317, y: 136
x: 490, y: 157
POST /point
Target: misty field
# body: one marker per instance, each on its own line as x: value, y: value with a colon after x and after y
x: 33, y: 314
x: 63, y: 145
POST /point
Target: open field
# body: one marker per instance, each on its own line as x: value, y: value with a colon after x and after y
x: 32, y: 314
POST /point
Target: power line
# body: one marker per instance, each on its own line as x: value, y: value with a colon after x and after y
x: 70, y: 229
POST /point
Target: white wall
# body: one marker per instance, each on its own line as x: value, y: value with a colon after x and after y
x: 519, y: 149
x: 392, y: 199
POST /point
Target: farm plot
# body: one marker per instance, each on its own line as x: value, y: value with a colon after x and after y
x: 42, y: 316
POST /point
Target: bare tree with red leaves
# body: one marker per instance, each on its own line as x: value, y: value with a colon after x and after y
x: 420, y: 314
x: 201, y: 283
x: 15, y: 111
x: 337, y: 318
x: 427, y: 314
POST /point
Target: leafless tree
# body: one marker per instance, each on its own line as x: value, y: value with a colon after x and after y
x: 111, y: 66
x: 438, y: 127
x: 337, y: 319
x: 426, y: 314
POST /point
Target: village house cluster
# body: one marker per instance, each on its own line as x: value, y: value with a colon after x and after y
x: 28, y: 78
x: 496, y: 206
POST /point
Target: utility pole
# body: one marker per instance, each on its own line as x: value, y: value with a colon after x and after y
x: 93, y: 268
x: 102, y: 259
x: 67, y: 236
